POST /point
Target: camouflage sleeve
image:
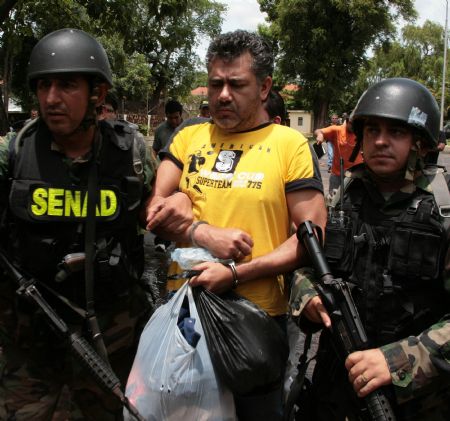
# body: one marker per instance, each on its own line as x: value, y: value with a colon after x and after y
x: 416, y: 362
x: 302, y: 291
x: 4, y: 158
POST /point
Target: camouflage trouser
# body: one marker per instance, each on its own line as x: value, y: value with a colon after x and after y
x: 39, y: 377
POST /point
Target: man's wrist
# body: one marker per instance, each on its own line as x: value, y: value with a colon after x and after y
x: 192, y: 230
x: 235, y: 280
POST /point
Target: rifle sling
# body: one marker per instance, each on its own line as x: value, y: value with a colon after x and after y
x: 89, y: 248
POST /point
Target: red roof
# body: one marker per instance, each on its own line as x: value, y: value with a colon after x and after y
x: 291, y: 87
x: 200, y: 91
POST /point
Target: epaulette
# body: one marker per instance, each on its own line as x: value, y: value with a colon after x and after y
x: 123, y: 132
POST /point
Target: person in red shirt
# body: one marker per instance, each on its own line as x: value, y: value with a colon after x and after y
x: 343, y: 140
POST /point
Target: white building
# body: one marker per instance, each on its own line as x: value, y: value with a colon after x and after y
x: 301, y: 120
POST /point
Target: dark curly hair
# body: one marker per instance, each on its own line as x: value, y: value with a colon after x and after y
x: 274, y: 106
x: 233, y: 44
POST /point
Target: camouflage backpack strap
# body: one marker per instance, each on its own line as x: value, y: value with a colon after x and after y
x: 138, y: 154
x: 143, y: 154
x: 436, y: 178
x: 18, y: 142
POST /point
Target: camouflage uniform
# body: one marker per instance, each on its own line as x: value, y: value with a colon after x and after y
x: 419, y: 363
x: 39, y: 378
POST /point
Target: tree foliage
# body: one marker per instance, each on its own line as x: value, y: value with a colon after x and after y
x: 418, y: 54
x: 323, y: 43
x: 150, y: 43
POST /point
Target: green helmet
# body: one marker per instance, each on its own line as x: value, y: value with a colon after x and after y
x: 400, y: 99
x: 68, y: 51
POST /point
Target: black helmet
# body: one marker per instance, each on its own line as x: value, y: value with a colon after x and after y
x: 68, y: 51
x: 400, y: 99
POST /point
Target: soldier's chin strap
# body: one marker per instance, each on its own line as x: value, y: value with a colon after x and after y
x: 414, y: 162
x: 355, y: 151
x: 90, y: 118
x: 89, y: 248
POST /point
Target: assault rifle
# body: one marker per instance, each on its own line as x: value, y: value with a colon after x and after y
x: 84, y: 352
x: 347, y: 331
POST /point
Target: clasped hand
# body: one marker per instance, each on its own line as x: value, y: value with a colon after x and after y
x: 172, y: 214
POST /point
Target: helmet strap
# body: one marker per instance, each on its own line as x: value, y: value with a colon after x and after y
x: 415, y: 161
x: 90, y: 118
x: 411, y: 165
x: 355, y: 151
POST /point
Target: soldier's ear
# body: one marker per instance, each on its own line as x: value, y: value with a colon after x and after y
x: 102, y: 90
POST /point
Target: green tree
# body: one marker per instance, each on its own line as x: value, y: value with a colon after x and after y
x: 151, y: 45
x: 418, y: 54
x: 322, y: 43
x: 166, y: 33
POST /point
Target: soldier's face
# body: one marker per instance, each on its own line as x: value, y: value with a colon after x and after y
x: 386, y: 146
x: 63, y: 101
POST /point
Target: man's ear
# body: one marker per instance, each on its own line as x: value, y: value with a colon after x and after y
x: 277, y: 119
x: 266, y: 85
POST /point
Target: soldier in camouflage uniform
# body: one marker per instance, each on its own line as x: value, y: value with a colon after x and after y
x: 391, y: 246
x: 44, y: 177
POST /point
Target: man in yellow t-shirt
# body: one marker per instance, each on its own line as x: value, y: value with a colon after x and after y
x: 246, y: 177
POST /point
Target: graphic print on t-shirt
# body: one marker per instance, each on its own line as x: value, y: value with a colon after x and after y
x: 227, y: 161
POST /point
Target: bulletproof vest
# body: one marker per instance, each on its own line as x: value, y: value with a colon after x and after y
x: 48, y: 205
x: 393, y: 261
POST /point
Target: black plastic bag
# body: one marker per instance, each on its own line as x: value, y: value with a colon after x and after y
x: 247, y: 347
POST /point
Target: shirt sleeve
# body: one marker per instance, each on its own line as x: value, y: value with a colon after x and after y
x: 157, y: 140
x: 329, y: 133
x: 303, y: 170
x: 415, y: 362
x: 302, y: 289
x: 176, y: 148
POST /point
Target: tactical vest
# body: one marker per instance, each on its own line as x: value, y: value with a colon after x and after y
x: 393, y: 261
x: 48, y: 207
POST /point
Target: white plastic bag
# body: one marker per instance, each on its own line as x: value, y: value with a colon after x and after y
x: 188, y: 257
x: 171, y: 380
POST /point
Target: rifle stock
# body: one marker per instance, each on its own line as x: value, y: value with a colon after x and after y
x: 84, y: 352
x: 347, y: 330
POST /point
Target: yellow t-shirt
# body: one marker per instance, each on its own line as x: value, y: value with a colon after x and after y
x: 240, y: 181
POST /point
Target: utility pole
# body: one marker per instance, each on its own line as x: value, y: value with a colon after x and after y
x: 444, y: 67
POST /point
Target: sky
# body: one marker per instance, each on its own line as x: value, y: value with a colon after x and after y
x: 245, y: 14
